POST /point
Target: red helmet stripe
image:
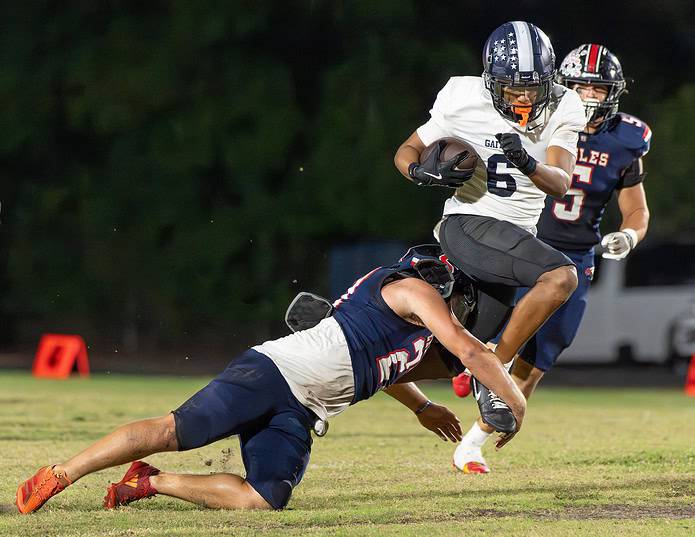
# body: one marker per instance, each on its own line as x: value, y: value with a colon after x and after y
x: 593, y: 57
x: 647, y: 134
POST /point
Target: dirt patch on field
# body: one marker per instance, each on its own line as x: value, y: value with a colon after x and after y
x: 8, y: 508
x: 596, y: 512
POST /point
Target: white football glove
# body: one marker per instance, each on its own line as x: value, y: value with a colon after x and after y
x: 618, y: 244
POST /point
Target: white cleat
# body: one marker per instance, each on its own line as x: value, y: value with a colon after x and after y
x: 469, y: 460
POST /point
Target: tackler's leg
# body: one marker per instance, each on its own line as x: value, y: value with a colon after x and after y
x: 131, y: 441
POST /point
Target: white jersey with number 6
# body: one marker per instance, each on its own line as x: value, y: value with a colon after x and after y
x: 464, y: 110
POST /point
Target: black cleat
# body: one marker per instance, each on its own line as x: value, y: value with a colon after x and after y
x: 493, y: 410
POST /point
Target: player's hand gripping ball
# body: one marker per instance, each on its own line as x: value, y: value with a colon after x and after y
x: 448, y: 162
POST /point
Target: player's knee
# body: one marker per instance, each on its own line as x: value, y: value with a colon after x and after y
x: 258, y: 503
x: 562, y: 280
x: 251, y: 499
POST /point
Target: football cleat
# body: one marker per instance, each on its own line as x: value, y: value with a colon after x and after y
x: 470, y: 460
x: 493, y: 410
x: 134, y: 486
x: 462, y: 384
x: 39, y: 488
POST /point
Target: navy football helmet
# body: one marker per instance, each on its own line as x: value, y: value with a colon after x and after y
x: 427, y: 262
x: 519, y: 61
x: 594, y: 64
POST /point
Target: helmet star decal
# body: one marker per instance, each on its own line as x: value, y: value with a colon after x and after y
x: 572, y: 64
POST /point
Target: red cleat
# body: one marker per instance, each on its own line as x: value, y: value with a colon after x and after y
x: 39, y: 488
x: 135, y: 485
x: 474, y: 467
x: 462, y: 384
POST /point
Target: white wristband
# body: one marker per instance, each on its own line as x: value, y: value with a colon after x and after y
x: 633, y: 236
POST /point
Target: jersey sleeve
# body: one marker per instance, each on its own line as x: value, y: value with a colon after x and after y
x: 632, y: 175
x: 437, y: 126
x: 635, y: 134
x: 573, y: 121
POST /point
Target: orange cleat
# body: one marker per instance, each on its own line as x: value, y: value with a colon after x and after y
x: 39, y: 488
x: 462, y: 384
x: 135, y: 485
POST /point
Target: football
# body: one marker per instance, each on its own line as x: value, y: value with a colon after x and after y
x: 452, y: 147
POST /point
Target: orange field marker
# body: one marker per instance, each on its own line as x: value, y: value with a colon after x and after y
x: 690, y: 379
x: 57, y: 355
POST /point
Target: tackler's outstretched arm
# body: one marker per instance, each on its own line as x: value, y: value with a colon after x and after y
x: 418, y: 302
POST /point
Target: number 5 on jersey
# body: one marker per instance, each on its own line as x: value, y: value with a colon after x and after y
x: 569, y: 209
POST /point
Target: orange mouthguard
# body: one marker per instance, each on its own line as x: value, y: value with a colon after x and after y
x: 522, y: 110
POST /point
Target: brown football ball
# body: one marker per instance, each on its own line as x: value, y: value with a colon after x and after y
x: 453, y: 147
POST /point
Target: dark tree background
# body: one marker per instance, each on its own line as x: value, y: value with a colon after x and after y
x: 173, y: 171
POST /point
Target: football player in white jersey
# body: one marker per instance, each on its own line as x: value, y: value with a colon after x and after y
x: 525, y: 128
x: 609, y: 160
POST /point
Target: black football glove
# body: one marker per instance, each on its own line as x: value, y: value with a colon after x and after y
x: 510, y: 144
x: 431, y: 172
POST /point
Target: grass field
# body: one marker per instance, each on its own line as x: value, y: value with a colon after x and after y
x: 588, y: 462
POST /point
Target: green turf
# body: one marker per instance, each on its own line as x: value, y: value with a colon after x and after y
x: 588, y: 462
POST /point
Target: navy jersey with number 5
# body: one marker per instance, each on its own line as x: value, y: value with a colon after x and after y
x: 607, y: 160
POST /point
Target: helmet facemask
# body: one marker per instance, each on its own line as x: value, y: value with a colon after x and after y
x: 437, y: 274
x: 427, y: 262
x: 598, y: 111
x: 536, y: 97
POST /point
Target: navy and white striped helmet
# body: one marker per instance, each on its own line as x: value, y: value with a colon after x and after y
x: 518, y: 57
x: 594, y: 64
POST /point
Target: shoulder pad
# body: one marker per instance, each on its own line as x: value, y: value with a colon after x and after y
x: 634, y: 133
x: 559, y: 90
x: 460, y: 87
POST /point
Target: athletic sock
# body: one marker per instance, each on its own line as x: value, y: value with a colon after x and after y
x: 476, y: 436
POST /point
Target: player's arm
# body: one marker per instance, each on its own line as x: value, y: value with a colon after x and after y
x: 408, y: 152
x: 437, y: 418
x: 632, y: 202
x: 415, y: 300
x: 432, y: 171
x: 553, y: 178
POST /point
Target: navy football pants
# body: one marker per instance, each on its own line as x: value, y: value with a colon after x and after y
x: 544, y: 348
x: 251, y: 398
